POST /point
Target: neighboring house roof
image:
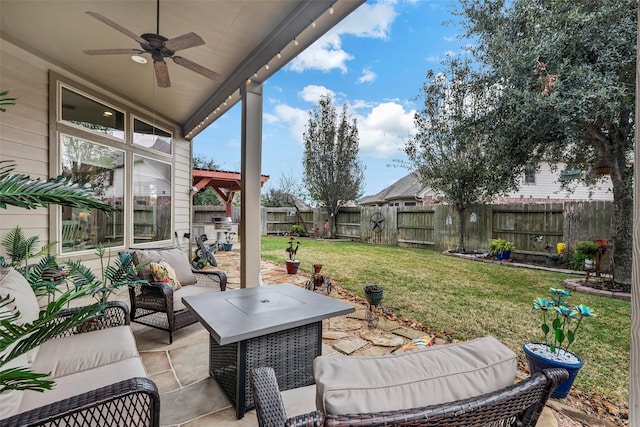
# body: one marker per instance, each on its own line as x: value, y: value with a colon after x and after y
x: 408, y: 187
x: 545, y: 188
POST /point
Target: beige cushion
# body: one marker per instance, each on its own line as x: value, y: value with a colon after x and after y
x: 187, y: 291
x: 439, y: 374
x: 84, y: 381
x: 83, y: 352
x: 14, y: 284
x: 174, y: 256
x: 10, y: 400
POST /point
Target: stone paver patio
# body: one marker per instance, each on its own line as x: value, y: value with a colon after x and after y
x: 190, y: 398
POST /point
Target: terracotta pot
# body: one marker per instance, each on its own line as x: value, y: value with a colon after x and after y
x: 317, y: 268
x: 292, y: 266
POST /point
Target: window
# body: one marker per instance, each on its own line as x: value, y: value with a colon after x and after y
x: 103, y: 166
x: 129, y: 160
x: 529, y: 175
x: 410, y: 204
x: 149, y: 136
x: 92, y: 115
x: 151, y: 200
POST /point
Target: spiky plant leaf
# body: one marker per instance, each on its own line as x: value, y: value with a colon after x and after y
x: 48, y: 325
x: 6, y: 100
x: 22, y: 191
x: 23, y: 379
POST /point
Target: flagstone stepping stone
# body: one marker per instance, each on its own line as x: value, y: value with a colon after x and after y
x: 344, y: 324
x: 387, y: 325
x: 409, y: 333
x: 348, y: 346
x: 334, y: 335
x: 358, y: 314
x: 372, y: 351
x: 384, y: 339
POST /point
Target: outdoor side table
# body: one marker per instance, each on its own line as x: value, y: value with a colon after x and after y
x: 277, y: 325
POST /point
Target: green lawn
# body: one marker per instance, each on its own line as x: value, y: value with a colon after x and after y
x: 471, y: 299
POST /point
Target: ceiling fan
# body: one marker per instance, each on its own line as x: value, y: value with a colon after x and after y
x: 159, y: 47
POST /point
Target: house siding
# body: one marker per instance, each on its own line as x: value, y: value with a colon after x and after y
x: 24, y: 134
x: 24, y: 139
x: 547, y: 186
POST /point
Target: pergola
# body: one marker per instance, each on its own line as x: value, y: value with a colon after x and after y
x: 226, y: 184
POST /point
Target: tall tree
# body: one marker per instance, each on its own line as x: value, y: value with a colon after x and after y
x: 449, y: 151
x: 333, y: 174
x: 567, y: 70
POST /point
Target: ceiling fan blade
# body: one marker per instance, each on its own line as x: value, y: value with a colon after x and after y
x: 113, y: 52
x: 184, y: 41
x: 116, y: 26
x: 162, y: 73
x: 198, y: 68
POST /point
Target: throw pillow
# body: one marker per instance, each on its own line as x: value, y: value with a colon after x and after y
x: 163, y: 272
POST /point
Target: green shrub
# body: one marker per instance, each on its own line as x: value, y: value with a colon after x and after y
x: 583, y: 251
x: 298, y: 230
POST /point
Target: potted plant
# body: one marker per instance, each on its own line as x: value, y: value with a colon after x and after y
x: 501, y: 248
x: 123, y: 272
x: 22, y: 191
x: 584, y: 255
x: 228, y: 240
x: 559, y: 326
x: 373, y: 294
x: 292, y: 250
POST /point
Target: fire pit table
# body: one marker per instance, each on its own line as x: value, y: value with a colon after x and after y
x: 277, y: 325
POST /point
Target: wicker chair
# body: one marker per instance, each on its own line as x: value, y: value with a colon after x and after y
x: 132, y: 402
x: 156, y: 304
x: 516, y: 405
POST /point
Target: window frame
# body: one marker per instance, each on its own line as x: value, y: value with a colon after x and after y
x: 58, y: 127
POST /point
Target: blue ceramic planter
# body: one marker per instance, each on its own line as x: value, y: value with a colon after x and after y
x: 504, y: 255
x: 537, y: 363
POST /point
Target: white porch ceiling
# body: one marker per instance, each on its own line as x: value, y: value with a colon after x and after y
x: 241, y: 36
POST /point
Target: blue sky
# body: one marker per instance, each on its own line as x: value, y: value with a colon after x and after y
x: 375, y: 61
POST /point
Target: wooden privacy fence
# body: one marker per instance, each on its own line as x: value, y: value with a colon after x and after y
x: 531, y: 227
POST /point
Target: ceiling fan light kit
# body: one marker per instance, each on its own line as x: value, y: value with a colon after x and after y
x: 159, y: 47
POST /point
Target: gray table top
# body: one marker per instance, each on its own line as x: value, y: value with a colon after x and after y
x: 241, y: 314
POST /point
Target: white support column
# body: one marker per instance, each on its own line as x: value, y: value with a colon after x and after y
x: 251, y: 167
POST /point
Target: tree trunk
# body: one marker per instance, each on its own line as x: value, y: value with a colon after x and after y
x: 332, y: 225
x: 461, y: 211
x: 622, y: 239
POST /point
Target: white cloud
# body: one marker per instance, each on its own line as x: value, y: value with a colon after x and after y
x: 367, y: 76
x: 312, y: 93
x: 326, y: 54
x: 384, y: 130
x: 369, y: 20
x: 450, y: 38
x: 295, y: 118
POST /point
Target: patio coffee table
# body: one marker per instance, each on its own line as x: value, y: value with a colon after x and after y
x: 277, y: 325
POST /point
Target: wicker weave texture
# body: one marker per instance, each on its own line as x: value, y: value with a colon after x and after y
x: 518, y: 405
x: 290, y: 353
x: 152, y: 303
x: 131, y: 403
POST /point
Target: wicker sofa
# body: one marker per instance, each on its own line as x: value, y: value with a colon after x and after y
x: 99, y: 376
x: 157, y: 304
x: 466, y: 384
